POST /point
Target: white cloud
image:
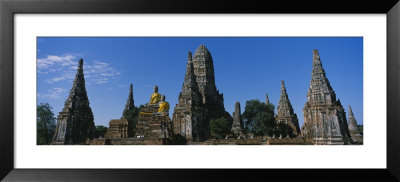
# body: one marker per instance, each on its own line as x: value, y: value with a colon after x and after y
x: 100, y: 72
x: 64, y: 67
x: 50, y: 60
x: 53, y: 93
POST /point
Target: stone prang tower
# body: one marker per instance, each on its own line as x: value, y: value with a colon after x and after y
x: 75, y: 123
x: 324, y: 117
x: 189, y: 117
x: 199, y: 101
x: 288, y: 124
x: 204, y: 71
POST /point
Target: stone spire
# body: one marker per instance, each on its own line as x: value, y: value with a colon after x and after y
x: 75, y: 123
x: 204, y: 72
x: 320, y: 85
x: 237, y: 125
x: 130, y: 103
x: 266, y: 99
x: 129, y: 107
x: 353, y: 128
x: 288, y: 124
x: 324, y: 116
x: 190, y: 87
x: 189, y: 114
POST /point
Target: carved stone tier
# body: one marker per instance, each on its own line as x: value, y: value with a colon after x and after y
x: 153, y: 127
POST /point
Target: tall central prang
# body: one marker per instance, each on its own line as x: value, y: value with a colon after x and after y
x: 199, y: 100
x: 204, y: 72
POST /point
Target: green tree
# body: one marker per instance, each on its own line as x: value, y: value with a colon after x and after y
x: 361, y: 129
x: 45, y: 124
x: 132, y: 117
x: 220, y: 128
x: 100, y: 131
x: 259, y: 118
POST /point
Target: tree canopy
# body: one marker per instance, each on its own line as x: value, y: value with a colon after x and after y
x: 259, y: 118
x: 45, y: 125
x: 220, y: 128
x: 132, y: 117
x: 100, y: 131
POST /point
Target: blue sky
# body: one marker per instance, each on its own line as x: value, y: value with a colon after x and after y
x: 245, y: 68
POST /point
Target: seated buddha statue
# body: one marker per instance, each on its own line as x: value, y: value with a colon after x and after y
x: 164, y: 106
x: 155, y: 97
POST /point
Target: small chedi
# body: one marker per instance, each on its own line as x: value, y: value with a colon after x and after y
x: 324, y: 117
x: 118, y: 128
x: 129, y: 108
x: 355, y: 133
x: 154, y: 125
x: 287, y: 122
x: 199, y: 100
x: 75, y: 123
x: 237, y: 125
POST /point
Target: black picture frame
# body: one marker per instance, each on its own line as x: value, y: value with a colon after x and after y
x: 8, y: 8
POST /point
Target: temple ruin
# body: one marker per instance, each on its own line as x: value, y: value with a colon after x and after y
x: 200, y: 102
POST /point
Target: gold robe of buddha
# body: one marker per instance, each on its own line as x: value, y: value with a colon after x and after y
x: 155, y: 98
x: 164, y: 107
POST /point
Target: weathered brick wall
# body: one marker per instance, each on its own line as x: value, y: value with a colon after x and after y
x: 290, y: 141
x: 98, y: 141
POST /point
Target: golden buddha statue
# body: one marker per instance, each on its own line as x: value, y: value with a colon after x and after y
x: 155, y: 97
x: 164, y: 106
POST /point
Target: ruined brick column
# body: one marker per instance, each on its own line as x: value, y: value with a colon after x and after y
x: 237, y: 125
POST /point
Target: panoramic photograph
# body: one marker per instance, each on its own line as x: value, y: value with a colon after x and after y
x: 199, y: 91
